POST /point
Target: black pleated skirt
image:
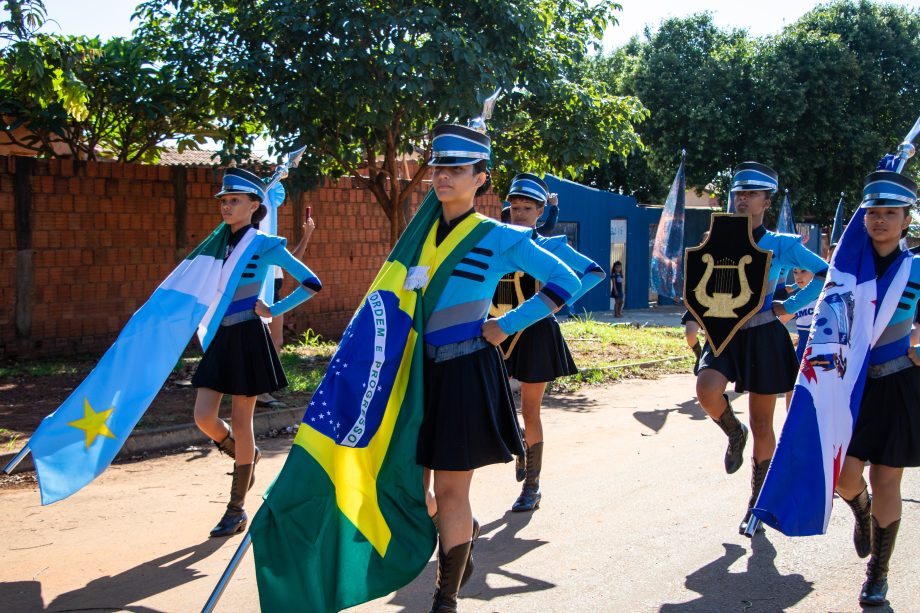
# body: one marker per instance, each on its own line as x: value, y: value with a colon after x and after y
x: 887, y: 429
x: 469, y: 418
x: 759, y: 359
x: 540, y: 354
x: 241, y: 361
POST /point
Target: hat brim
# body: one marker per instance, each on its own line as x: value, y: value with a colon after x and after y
x: 888, y: 204
x: 539, y: 201
x: 453, y: 161
x: 753, y: 188
x: 224, y: 192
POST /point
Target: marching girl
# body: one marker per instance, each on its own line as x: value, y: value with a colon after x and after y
x: 887, y: 429
x: 538, y: 354
x: 469, y: 419
x: 240, y: 358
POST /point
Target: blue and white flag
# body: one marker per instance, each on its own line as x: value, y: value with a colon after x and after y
x: 666, y: 271
x: 73, y: 445
x: 798, y: 492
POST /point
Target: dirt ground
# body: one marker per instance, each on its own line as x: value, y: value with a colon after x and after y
x: 26, y: 399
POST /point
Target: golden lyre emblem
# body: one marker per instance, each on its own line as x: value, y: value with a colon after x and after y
x: 726, y: 279
x: 513, y: 289
x: 723, y: 302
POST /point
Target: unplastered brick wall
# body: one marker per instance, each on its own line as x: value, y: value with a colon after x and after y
x: 84, y: 244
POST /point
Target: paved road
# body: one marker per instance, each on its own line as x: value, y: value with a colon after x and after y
x: 638, y: 515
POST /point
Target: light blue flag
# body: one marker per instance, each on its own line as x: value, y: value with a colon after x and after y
x: 73, y: 445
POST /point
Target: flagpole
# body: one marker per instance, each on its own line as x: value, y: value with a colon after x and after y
x: 906, y: 149
x: 228, y: 574
x: 19, y: 457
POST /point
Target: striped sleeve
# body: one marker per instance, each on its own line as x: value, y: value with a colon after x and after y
x: 589, y: 273
x: 560, y: 283
x: 309, y: 282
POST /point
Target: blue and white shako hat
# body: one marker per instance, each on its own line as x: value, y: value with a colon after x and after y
x: 887, y: 188
x: 455, y: 145
x: 531, y: 186
x: 754, y: 176
x: 239, y: 181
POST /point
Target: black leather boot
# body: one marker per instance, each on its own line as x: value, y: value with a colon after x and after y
x: 875, y: 588
x: 450, y: 572
x: 758, y: 474
x: 520, y: 468
x: 228, y: 446
x: 235, y: 519
x: 529, y: 500
x: 737, y: 434
x: 862, y: 528
x: 468, y: 571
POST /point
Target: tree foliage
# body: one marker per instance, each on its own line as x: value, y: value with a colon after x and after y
x: 362, y: 82
x: 81, y: 97
x: 821, y: 101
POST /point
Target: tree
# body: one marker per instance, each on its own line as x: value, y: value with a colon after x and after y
x: 80, y: 97
x: 695, y: 79
x: 839, y: 88
x: 821, y: 101
x: 361, y: 82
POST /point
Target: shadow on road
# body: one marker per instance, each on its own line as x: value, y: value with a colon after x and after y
x: 567, y: 402
x: 655, y: 419
x: 498, y: 546
x: 759, y: 588
x: 115, y: 593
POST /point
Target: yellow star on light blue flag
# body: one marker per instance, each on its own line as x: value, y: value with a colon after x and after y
x: 93, y: 423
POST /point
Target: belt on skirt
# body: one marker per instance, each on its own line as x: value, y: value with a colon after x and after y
x: 759, y: 319
x: 877, y: 371
x: 450, y: 351
x: 237, y: 318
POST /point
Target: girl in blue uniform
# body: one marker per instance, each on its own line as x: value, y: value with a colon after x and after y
x: 240, y: 358
x: 760, y: 358
x: 469, y: 418
x: 887, y: 429
x: 538, y: 354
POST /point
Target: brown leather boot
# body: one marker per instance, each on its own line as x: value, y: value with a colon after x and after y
x: 235, y: 519
x: 862, y: 527
x: 228, y: 446
x: 875, y: 588
x: 737, y: 434
x: 758, y: 474
x: 450, y: 572
x: 530, y: 497
x: 468, y: 571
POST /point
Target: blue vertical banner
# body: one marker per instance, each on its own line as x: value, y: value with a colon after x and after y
x: 786, y: 223
x: 666, y: 272
x: 837, y: 232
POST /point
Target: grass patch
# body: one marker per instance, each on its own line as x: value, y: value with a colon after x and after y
x: 305, y: 362
x: 45, y: 368
x: 598, y: 348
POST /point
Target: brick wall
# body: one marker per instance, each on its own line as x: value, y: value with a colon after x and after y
x: 84, y: 244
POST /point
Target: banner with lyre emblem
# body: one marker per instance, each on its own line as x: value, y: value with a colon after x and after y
x: 725, y: 278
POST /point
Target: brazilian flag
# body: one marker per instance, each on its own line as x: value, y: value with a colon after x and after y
x: 345, y: 522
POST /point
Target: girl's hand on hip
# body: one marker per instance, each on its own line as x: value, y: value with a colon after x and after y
x: 492, y: 332
x: 261, y: 309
